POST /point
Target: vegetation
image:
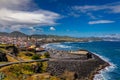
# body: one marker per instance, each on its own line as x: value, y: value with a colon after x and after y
x: 2, y: 76
x: 28, y: 54
x: 35, y: 57
x: 47, y: 55
x: 3, y: 57
x: 12, y: 50
x: 68, y: 75
x: 54, y: 78
x: 23, y: 71
x: 3, y: 46
x: 25, y: 55
x: 16, y: 72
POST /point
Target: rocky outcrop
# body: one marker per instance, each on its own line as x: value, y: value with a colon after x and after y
x: 3, y: 57
x: 84, y: 69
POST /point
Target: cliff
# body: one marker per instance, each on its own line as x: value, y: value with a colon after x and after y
x: 83, y: 69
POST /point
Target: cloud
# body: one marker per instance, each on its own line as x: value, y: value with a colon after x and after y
x: 73, y: 14
x: 100, y: 22
x: 32, y: 29
x: 90, y: 10
x: 14, y: 15
x: 52, y: 29
x: 36, y: 29
x: 111, y: 8
x: 16, y: 4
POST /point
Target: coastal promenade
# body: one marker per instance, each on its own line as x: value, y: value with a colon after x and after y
x: 30, y: 61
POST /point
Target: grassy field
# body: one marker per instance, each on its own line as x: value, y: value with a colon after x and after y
x: 27, y: 71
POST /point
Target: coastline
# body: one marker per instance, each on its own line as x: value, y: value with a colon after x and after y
x: 96, y: 72
x: 105, y: 69
x: 97, y: 69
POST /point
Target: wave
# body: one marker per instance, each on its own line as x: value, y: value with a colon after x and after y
x: 112, y: 40
x: 103, y: 73
x: 45, y: 45
x: 56, y: 45
x: 62, y: 46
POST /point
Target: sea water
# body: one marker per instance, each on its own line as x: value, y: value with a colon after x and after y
x: 107, y: 50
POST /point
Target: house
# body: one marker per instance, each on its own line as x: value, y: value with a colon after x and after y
x: 40, y: 51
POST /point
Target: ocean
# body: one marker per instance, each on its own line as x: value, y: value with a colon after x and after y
x: 107, y: 50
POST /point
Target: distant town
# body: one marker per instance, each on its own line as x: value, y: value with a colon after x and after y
x: 21, y: 39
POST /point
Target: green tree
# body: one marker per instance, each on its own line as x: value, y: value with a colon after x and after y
x: 35, y: 57
x: 47, y: 55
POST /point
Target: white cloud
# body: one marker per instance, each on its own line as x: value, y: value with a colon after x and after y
x: 14, y: 16
x: 52, y: 29
x: 100, y: 22
x: 16, y: 4
x: 32, y: 28
x: 111, y: 8
x: 73, y: 14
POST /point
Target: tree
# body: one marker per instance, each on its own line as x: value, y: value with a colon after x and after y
x: 47, y: 55
x: 35, y: 57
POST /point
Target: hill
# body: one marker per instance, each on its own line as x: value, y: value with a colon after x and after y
x: 13, y: 34
x: 4, y: 34
x: 20, y: 34
x: 58, y: 38
x: 17, y: 34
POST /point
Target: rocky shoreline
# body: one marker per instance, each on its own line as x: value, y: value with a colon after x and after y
x: 83, y: 69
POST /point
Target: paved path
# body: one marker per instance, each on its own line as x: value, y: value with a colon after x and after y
x: 30, y: 61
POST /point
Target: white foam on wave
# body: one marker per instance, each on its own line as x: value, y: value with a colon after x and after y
x: 56, y: 45
x: 81, y: 42
x: 45, y: 45
x: 62, y: 46
x: 112, y: 40
x: 68, y: 42
x: 103, y: 73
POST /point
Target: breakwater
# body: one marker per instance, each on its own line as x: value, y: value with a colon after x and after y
x: 84, y: 68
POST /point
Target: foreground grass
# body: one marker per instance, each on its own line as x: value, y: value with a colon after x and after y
x: 23, y: 55
x: 27, y: 71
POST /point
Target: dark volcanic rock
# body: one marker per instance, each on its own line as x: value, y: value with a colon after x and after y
x: 3, y: 57
x: 84, y: 69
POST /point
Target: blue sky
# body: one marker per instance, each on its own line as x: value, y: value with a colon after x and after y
x: 78, y: 18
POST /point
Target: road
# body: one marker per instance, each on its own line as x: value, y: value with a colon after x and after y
x: 30, y: 61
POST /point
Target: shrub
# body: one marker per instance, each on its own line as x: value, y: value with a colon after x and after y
x: 35, y: 57
x: 44, y: 66
x: 54, y: 78
x: 38, y: 67
x: 47, y: 55
x: 2, y: 76
x: 28, y: 54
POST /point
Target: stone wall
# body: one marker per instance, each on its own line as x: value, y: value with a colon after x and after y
x: 82, y: 68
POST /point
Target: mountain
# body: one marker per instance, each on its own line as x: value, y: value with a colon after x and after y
x: 4, y: 34
x: 13, y: 34
x: 20, y: 34
x: 61, y: 38
x: 48, y: 36
x: 17, y: 34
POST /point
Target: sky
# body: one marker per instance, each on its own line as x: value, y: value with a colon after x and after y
x: 77, y: 18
